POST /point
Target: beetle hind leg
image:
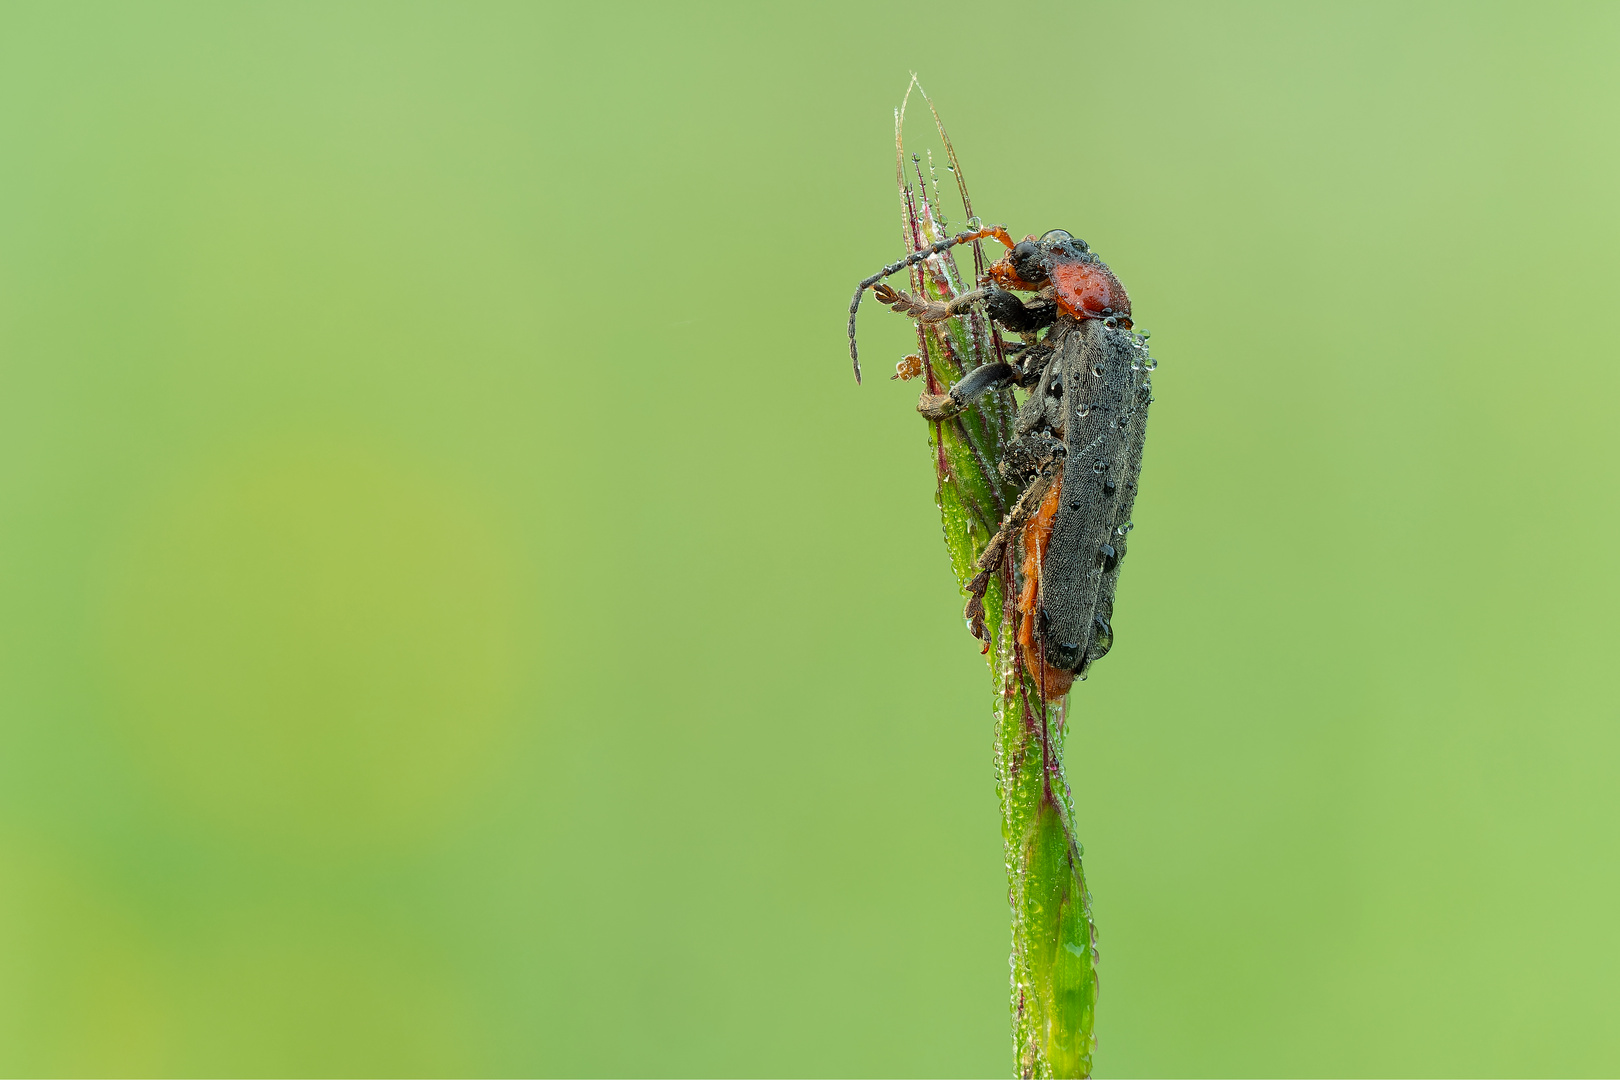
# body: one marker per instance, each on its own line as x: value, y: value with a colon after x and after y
x: 995, y: 552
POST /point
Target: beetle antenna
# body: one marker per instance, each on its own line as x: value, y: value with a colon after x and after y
x: 997, y: 231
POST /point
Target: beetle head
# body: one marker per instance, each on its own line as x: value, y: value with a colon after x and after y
x: 1028, y: 266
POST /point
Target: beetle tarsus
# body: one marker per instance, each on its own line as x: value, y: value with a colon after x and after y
x: 928, y: 311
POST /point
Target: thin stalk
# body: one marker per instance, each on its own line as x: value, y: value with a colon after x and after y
x: 1054, y: 950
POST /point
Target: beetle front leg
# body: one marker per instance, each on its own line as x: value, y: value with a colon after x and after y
x: 928, y: 311
x: 1020, y: 316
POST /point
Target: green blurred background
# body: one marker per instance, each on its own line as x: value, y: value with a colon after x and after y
x: 458, y: 615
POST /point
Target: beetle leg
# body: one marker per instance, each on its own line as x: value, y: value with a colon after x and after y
x: 927, y: 311
x: 1020, y: 316
x: 996, y: 550
x: 980, y: 381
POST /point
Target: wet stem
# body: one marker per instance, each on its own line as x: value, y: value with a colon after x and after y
x: 1053, y: 974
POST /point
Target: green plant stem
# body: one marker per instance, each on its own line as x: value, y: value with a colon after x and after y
x: 1054, y: 983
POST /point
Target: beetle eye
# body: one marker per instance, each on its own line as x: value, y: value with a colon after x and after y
x: 1063, y: 242
x: 1027, y: 259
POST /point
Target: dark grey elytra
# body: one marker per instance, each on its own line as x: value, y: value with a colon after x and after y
x: 1085, y: 420
x: 1100, y: 415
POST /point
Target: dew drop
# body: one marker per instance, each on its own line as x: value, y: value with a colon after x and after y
x: 1104, y: 639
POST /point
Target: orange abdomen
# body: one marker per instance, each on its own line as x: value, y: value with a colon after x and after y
x: 1053, y: 682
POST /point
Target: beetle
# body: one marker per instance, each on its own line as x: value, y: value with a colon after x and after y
x: 1077, y: 451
